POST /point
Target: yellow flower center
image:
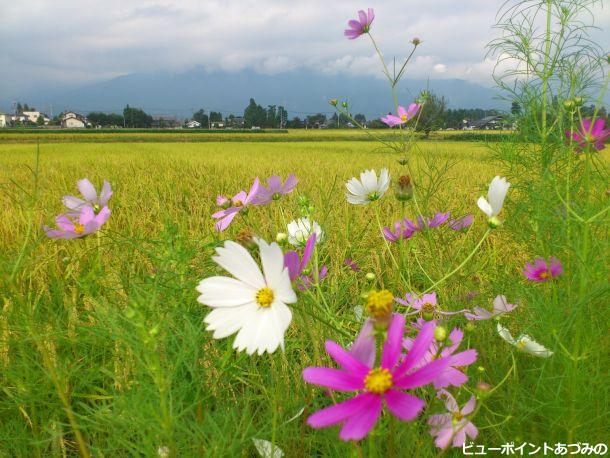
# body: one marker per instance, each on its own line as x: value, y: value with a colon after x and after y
x: 544, y: 274
x: 379, y: 303
x: 79, y: 228
x: 264, y: 297
x: 238, y: 203
x: 457, y: 416
x: 521, y: 344
x: 404, y: 117
x: 428, y: 308
x: 378, y: 381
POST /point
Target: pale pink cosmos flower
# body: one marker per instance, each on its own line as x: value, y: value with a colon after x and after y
x: 426, y: 305
x: 275, y: 189
x: 406, y: 228
x: 361, y: 25
x: 453, y: 425
x: 89, y: 197
x: 375, y: 386
x: 500, y: 307
x: 451, y: 375
x: 349, y: 262
x: 543, y: 271
x: 240, y: 201
x: 70, y: 227
x: 461, y: 223
x: 404, y: 115
x: 590, y: 133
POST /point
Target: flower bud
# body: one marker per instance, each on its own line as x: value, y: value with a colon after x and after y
x: 281, y: 238
x: 481, y: 369
x: 370, y: 276
x: 494, y: 222
x: 245, y: 237
x: 579, y: 101
x: 403, y: 161
x: 404, y: 189
x: 440, y: 334
x: 344, y: 104
x: 568, y: 105
x: 470, y: 326
x: 482, y: 390
x: 379, y: 304
x: 415, y: 41
x: 333, y: 102
x: 303, y: 201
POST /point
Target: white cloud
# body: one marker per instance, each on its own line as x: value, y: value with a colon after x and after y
x: 79, y: 41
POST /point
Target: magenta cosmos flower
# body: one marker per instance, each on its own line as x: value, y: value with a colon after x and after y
x: 90, y: 197
x: 500, y: 307
x: 296, y: 265
x: 240, y: 201
x: 275, y: 189
x: 590, y: 133
x: 376, y: 386
x: 451, y: 375
x: 426, y: 305
x: 406, y: 228
x: 87, y: 222
x: 453, y: 425
x: 361, y: 25
x: 542, y: 271
x: 404, y: 115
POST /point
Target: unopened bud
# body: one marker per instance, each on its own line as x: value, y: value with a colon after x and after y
x: 470, y: 326
x: 440, y: 334
x: 403, y: 161
x: 404, y: 189
x: 370, y: 276
x: 344, y: 104
x: 579, y: 101
x: 333, y: 102
x: 245, y: 237
x: 568, y: 105
x: 480, y: 369
x: 494, y: 222
x: 303, y: 201
x: 281, y: 238
x: 415, y: 41
x: 483, y: 386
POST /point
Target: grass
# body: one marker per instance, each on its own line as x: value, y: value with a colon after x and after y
x: 102, y: 346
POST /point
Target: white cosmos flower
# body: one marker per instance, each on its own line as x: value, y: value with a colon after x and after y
x: 253, y: 304
x: 495, y: 197
x: 368, y: 188
x: 300, y: 229
x: 524, y: 343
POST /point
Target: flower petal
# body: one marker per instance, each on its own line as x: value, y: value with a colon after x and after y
x: 403, y: 405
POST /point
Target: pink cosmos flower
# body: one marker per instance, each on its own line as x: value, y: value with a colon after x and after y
x: 296, y: 265
x: 406, y: 228
x: 275, y: 189
x: 223, y: 201
x: 404, y: 115
x: 240, y: 201
x: 451, y: 375
x: 453, y: 425
x: 360, y: 26
x: 90, y: 197
x: 590, y: 133
x: 86, y: 223
x: 426, y: 306
x: 500, y: 307
x: 376, y: 386
x: 349, y: 262
x: 461, y: 223
x: 543, y: 271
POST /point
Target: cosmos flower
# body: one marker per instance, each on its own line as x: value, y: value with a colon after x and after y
x: 461, y: 223
x: 361, y: 25
x: 308, y: 280
x: 240, y: 201
x: 376, y: 386
x: 404, y: 115
x: 453, y: 425
x: 86, y: 222
x: 524, y: 343
x: 296, y: 265
x: 542, y: 271
x: 426, y: 305
x: 495, y: 197
x: 90, y: 197
x: 301, y: 229
x: 349, y: 262
x: 253, y: 304
x: 590, y: 133
x: 369, y: 188
x: 500, y: 307
x: 406, y: 228
x: 275, y: 189
x: 451, y: 375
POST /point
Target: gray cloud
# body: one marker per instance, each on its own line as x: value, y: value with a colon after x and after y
x: 78, y: 41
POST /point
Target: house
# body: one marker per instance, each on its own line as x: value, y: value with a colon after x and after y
x: 217, y: 125
x: 192, y: 124
x: 487, y: 123
x: 32, y: 116
x: 72, y: 120
x: 4, y: 119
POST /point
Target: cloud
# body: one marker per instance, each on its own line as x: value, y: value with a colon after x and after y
x: 68, y: 42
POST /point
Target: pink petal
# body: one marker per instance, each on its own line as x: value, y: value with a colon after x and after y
x: 391, y: 348
x: 418, y: 350
x: 346, y: 360
x: 87, y: 189
x: 403, y: 405
x: 292, y: 263
x: 290, y: 183
x: 471, y: 430
x: 358, y: 425
x: 459, y: 438
x: 335, y: 414
x: 598, y: 127
x: 469, y: 406
x: 105, y: 194
x: 333, y: 378
x: 423, y: 376
x: 363, y: 348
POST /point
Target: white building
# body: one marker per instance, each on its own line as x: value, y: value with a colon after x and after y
x: 192, y: 124
x: 4, y: 120
x: 71, y: 120
x: 31, y: 115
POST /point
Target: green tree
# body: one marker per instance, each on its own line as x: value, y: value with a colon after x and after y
x: 202, y: 118
x: 134, y: 117
x: 432, y: 116
x: 40, y: 120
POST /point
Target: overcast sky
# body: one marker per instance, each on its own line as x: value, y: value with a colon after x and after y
x: 61, y: 42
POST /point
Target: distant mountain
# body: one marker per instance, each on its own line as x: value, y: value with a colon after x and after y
x: 300, y: 92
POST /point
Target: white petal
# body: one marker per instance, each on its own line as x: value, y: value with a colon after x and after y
x: 505, y: 334
x: 356, y: 200
x: 87, y: 189
x: 484, y: 206
x: 355, y: 187
x: 266, y: 449
x: 236, y: 260
x: 384, y: 182
x: 528, y: 345
x: 500, y: 304
x: 369, y: 181
x: 273, y: 262
x: 73, y: 203
x: 225, y: 292
x: 229, y: 320
x: 283, y: 289
x: 497, y: 192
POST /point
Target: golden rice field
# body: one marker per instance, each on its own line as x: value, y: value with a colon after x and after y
x: 102, y: 346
